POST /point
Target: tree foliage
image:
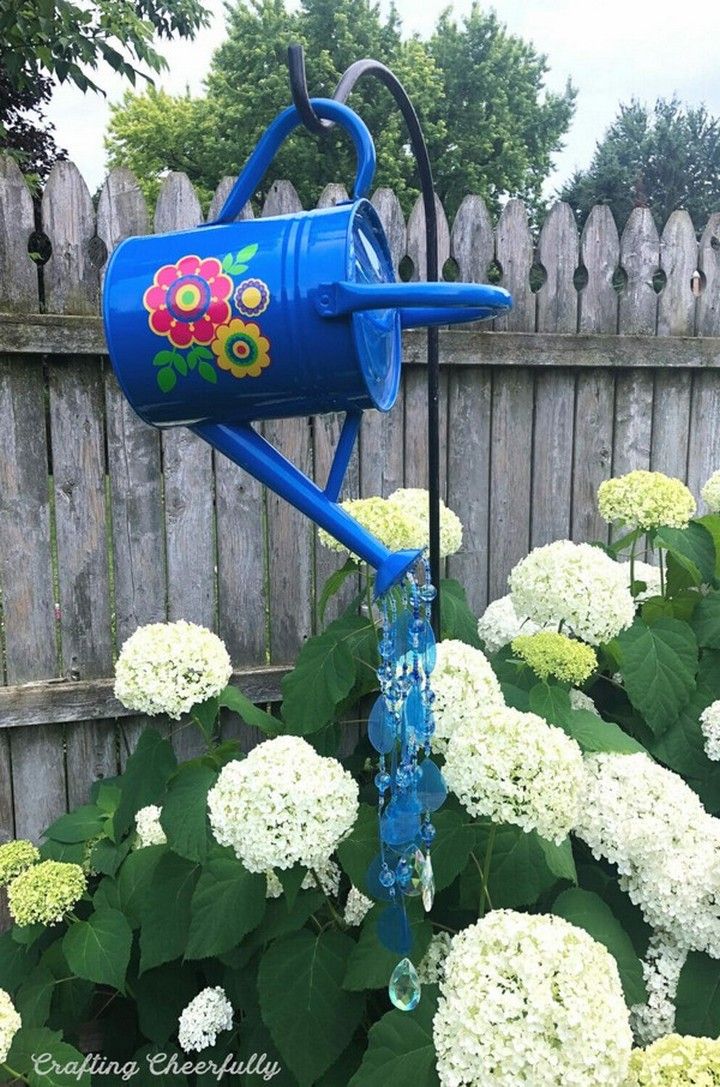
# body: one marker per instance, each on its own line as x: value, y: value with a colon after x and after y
x: 663, y: 158
x: 479, y: 91
x: 26, y: 135
x: 63, y: 38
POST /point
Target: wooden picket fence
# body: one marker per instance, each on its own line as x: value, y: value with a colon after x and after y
x: 106, y: 524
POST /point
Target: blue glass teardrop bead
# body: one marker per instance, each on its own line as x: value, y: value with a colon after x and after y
x: 381, y: 727
x: 415, y: 710
x: 404, y: 987
x: 393, y: 929
x: 431, y: 789
x: 399, y: 826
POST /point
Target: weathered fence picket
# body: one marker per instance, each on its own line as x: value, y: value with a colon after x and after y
x: 610, y: 360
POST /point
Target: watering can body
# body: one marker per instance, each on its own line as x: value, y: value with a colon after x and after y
x: 236, y: 322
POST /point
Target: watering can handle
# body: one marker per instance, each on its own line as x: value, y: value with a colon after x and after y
x: 256, y: 166
x: 418, y: 303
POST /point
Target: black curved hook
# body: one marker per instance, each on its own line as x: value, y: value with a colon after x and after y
x: 315, y: 124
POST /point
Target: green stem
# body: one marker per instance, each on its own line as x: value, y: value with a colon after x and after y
x: 444, y: 928
x: 15, y: 1075
x: 662, y: 572
x: 333, y: 912
x: 632, y: 561
x: 486, y: 866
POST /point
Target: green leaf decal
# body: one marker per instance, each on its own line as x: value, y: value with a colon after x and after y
x: 400, y: 1048
x: 99, y: 949
x: 164, y: 358
x: 659, y: 665
x: 588, y: 911
x: 207, y: 372
x: 227, y: 263
x: 197, y: 354
x: 247, y: 253
x: 166, y: 379
x: 180, y: 364
x: 301, y: 997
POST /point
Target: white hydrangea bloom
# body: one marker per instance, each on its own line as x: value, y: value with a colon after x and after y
x: 513, y: 767
x: 530, y: 1001
x: 357, y: 907
x: 273, y: 886
x: 500, y: 623
x: 710, y: 492
x: 283, y: 805
x: 170, y: 667
x: 576, y: 584
x: 710, y: 725
x: 431, y: 969
x: 10, y: 1024
x: 147, y: 827
x: 645, y: 820
x: 328, y: 874
x: 203, y: 1019
x: 413, y: 502
x: 581, y: 701
x: 465, y: 688
x: 661, y: 970
x: 643, y: 571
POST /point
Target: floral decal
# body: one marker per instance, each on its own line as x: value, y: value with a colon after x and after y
x: 240, y: 348
x: 252, y: 297
x: 190, y: 303
x: 189, y: 300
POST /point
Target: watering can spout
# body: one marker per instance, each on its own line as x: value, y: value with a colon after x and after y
x: 243, y: 445
x: 419, y: 304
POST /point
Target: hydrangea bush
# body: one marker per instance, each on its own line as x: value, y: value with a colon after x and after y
x: 219, y: 907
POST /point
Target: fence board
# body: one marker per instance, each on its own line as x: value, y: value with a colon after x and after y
x: 514, y: 254
x: 469, y: 408
x: 471, y: 240
x: 36, y: 754
x: 510, y: 475
x: 188, y: 477
x: 76, y: 425
x: 388, y: 207
x: 289, y: 532
x: 416, y: 241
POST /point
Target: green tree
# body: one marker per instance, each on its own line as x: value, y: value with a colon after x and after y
x: 502, y: 125
x: 63, y: 38
x: 664, y: 158
x: 479, y: 93
x: 28, y: 137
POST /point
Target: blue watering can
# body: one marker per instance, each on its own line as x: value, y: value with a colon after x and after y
x: 235, y: 322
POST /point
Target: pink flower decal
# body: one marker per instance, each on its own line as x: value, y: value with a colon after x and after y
x: 188, y: 301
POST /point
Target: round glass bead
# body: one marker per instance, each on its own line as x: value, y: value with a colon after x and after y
x: 403, y: 874
x: 404, y: 776
x: 383, y: 781
x: 428, y: 593
x: 386, y: 877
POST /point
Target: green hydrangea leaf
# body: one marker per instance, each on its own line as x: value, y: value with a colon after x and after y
x: 370, y: 964
x: 693, y: 548
x: 16, y: 962
x: 54, y: 1051
x: 235, y: 701
x: 85, y: 822
x: 519, y: 870
x: 145, y: 778
x: 400, y: 1048
x: 99, y: 949
x: 166, y: 911
x: 34, y: 997
x: 360, y: 847
x: 550, y: 702
x: 160, y: 996
x: 659, y: 665
x: 184, y: 816
x: 228, y: 902
x: 301, y: 999
x: 588, y: 911
x: 323, y: 675
x: 135, y: 879
x: 452, y: 846
x: 706, y: 621
x: 593, y: 734
x: 698, y: 997
x: 458, y: 621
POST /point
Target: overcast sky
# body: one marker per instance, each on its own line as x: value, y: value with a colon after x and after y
x: 611, y: 50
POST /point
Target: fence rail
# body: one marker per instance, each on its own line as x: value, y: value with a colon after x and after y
x: 612, y: 362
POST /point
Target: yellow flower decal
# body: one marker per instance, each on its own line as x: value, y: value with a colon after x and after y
x: 240, y: 348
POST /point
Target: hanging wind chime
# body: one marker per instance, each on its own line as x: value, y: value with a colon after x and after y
x: 236, y: 322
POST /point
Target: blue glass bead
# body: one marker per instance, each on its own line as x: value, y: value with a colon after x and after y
x: 393, y: 929
x: 427, y: 832
x: 381, y: 727
x: 431, y: 788
x: 383, y: 781
x: 399, y: 826
x: 373, y: 883
x: 386, y: 647
x: 428, y: 593
x: 387, y: 876
x: 404, y: 776
x: 404, y: 988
